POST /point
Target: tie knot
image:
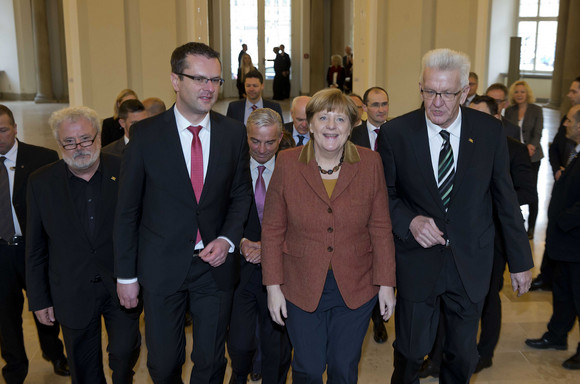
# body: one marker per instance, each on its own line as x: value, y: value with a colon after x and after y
x: 377, y: 130
x: 261, y: 169
x: 444, y: 134
x: 195, y: 130
x: 254, y: 107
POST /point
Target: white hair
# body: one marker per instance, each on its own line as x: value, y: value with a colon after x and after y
x: 445, y: 59
x: 73, y: 114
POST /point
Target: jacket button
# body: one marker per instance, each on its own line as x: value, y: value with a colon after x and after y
x: 330, y: 249
x: 330, y: 229
x: 329, y: 210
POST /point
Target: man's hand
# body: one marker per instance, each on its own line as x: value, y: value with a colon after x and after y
x: 426, y: 232
x: 252, y: 251
x: 387, y: 301
x: 521, y: 281
x: 127, y: 294
x: 276, y: 304
x: 46, y: 316
x: 558, y: 173
x: 531, y: 149
x: 215, y: 253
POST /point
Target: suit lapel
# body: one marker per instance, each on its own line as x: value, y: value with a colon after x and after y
x: 423, y: 155
x: 466, y: 142
x: 21, y: 170
x: 311, y: 174
x: 347, y: 173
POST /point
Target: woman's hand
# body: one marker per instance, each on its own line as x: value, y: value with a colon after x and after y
x: 531, y: 149
x: 386, y: 301
x: 276, y: 304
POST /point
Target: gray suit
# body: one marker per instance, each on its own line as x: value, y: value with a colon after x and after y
x: 531, y: 128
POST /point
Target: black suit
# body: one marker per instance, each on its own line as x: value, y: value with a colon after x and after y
x: 459, y: 272
x: 237, y: 109
x: 360, y: 135
x: 156, y: 224
x: 510, y: 129
x: 562, y: 245
x: 72, y: 270
x: 250, y: 305
x: 28, y: 159
x: 111, y: 131
x: 117, y: 147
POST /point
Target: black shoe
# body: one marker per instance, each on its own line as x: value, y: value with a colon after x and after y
x: 428, y: 368
x: 484, y: 362
x: 538, y: 284
x: 60, y: 365
x: 545, y: 343
x: 256, y: 376
x: 380, y: 332
x: 573, y: 362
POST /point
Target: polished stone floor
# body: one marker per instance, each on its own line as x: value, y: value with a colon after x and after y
x: 523, y: 317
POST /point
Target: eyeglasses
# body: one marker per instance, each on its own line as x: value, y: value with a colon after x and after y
x: 429, y: 94
x: 85, y: 143
x: 202, y: 80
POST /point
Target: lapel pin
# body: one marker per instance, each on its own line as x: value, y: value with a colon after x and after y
x: 113, y: 178
x: 471, y: 140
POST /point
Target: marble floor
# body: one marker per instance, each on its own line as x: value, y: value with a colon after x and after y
x: 524, y: 317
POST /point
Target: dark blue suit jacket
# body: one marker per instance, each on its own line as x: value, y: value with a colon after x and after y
x: 237, y: 108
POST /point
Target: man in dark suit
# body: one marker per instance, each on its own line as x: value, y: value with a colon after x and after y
x: 130, y: 112
x: 472, y: 91
x: 19, y: 160
x: 254, y: 86
x: 376, y: 105
x: 184, y: 198
x: 250, y: 300
x: 69, y: 251
x: 563, y: 247
x: 298, y: 127
x: 499, y: 93
x: 282, y: 65
x: 445, y: 166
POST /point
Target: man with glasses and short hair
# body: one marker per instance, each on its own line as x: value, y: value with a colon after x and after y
x: 184, y: 197
x: 69, y: 251
x: 446, y: 167
x: 472, y: 92
x: 376, y: 105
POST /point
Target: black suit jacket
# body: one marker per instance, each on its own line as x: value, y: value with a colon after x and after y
x: 559, y: 150
x: 117, y: 147
x: 360, y: 135
x: 563, y: 233
x: 158, y: 216
x: 289, y: 127
x: 510, y: 129
x: 111, y: 131
x: 61, y: 259
x: 481, y: 179
x: 28, y: 159
x: 236, y: 109
x: 521, y: 172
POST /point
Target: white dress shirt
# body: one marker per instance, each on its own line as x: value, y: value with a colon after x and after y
x: 372, y: 134
x: 266, y: 175
x: 10, y: 164
x: 248, y: 110
x: 436, y: 141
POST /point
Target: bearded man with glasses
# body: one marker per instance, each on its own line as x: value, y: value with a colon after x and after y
x: 446, y: 169
x: 69, y: 251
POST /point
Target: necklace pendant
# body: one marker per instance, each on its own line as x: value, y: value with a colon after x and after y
x: 330, y: 171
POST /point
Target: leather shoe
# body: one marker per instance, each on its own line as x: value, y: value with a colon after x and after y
x: 380, y: 332
x: 538, y: 284
x: 545, y: 343
x: 428, y: 368
x: 484, y: 362
x: 573, y: 362
x: 59, y: 365
x: 255, y: 376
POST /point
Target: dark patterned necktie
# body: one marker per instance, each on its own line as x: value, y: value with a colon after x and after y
x: 260, y: 192
x: 6, y: 220
x: 446, y: 171
x: 300, y: 140
x: 377, y: 140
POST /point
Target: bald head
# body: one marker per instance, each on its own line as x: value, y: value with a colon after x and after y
x: 298, y: 113
x: 154, y: 106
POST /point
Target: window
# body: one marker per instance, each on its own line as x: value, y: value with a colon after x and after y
x: 537, y: 26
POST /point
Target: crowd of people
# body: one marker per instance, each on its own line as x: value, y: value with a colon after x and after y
x: 284, y: 240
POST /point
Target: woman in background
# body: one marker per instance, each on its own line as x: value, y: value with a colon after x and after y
x: 245, y: 67
x: 112, y: 130
x: 335, y: 75
x: 530, y: 119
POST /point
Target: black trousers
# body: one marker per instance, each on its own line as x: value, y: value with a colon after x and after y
x: 12, y: 282
x: 416, y: 325
x: 565, y: 300
x: 164, y: 328
x: 250, y: 306
x: 534, y: 206
x: 83, y: 346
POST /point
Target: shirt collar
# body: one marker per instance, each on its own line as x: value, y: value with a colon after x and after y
x: 12, y: 153
x: 182, y: 123
x: 454, y: 129
x: 269, y: 164
x: 371, y: 127
x: 259, y: 103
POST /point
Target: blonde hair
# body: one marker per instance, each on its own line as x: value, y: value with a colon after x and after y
x: 332, y: 99
x: 336, y: 60
x: 529, y: 93
x: 120, y: 98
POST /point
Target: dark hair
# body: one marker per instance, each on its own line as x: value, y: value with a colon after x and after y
x: 179, y: 55
x: 577, y: 79
x: 498, y: 86
x: 372, y: 89
x: 490, y: 101
x: 254, y: 74
x: 130, y: 106
x: 357, y: 96
x: 474, y: 75
x: 4, y: 110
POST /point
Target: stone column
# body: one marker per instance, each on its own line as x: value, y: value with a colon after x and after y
x: 44, y: 93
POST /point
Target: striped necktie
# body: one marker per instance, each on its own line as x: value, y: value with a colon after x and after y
x: 446, y: 171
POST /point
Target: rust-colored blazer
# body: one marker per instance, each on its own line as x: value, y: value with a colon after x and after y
x: 304, y: 231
